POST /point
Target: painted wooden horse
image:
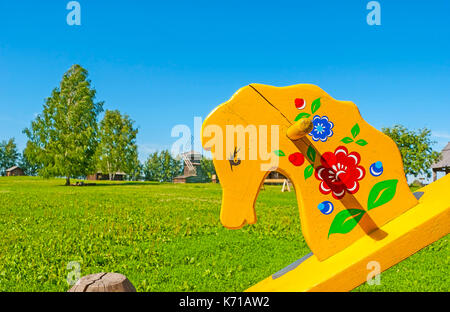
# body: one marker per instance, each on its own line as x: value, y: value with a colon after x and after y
x: 348, y: 178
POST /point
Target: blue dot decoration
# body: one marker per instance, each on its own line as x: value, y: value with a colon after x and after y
x: 326, y: 207
x: 376, y: 169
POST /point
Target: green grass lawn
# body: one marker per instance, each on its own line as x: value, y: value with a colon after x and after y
x: 164, y: 237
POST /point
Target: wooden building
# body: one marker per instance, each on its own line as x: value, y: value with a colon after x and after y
x: 274, y: 177
x: 192, y: 171
x: 442, y: 165
x: 14, y: 172
x: 118, y: 176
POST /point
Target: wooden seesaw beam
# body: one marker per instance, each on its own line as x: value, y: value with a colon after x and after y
x: 354, y: 201
x: 415, y: 229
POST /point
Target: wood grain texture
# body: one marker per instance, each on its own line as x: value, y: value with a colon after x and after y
x: 103, y: 282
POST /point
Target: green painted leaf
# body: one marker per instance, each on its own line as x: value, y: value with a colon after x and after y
x: 381, y: 193
x: 308, y: 171
x: 311, y: 153
x: 315, y: 105
x: 279, y: 153
x: 302, y: 115
x: 355, y: 130
x: 347, y: 140
x: 345, y: 221
x: 361, y: 142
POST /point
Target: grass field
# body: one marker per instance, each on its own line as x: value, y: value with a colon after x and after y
x: 163, y: 237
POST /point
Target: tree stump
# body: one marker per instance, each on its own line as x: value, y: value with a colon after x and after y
x: 103, y: 282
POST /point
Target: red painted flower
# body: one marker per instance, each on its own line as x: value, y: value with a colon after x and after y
x: 297, y: 159
x: 300, y: 103
x: 339, y: 172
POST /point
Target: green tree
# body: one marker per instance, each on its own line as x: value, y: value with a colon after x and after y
x: 136, y: 173
x: 62, y: 140
x: 28, y: 168
x: 415, y: 148
x: 9, y: 155
x: 161, y: 167
x: 117, y: 150
x: 207, y: 166
x: 152, y: 168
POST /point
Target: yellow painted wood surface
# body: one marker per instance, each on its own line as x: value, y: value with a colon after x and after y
x: 273, y: 110
x: 407, y: 234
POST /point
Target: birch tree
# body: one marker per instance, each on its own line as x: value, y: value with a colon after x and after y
x: 62, y: 140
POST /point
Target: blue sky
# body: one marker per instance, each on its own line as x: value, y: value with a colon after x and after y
x: 165, y: 62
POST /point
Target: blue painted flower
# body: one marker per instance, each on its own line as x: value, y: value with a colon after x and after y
x: 376, y: 169
x: 321, y: 128
x: 326, y: 207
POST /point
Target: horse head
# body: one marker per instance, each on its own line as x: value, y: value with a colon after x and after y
x: 348, y: 176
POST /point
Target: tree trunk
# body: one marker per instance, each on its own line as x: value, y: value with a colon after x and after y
x: 109, y: 171
x: 67, y: 181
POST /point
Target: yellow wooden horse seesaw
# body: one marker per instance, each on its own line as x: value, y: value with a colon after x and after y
x: 354, y: 202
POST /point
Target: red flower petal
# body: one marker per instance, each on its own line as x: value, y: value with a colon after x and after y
x: 324, y: 188
x: 318, y: 173
x: 341, y: 149
x: 340, y: 173
x: 339, y: 195
x: 297, y: 159
x: 355, y: 157
x: 354, y: 188
x: 328, y: 159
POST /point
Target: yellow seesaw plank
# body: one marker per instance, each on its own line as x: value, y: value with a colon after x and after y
x: 407, y: 234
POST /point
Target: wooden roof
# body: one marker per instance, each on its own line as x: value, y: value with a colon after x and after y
x: 12, y: 168
x: 445, y: 160
x: 193, y: 154
x: 117, y: 173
